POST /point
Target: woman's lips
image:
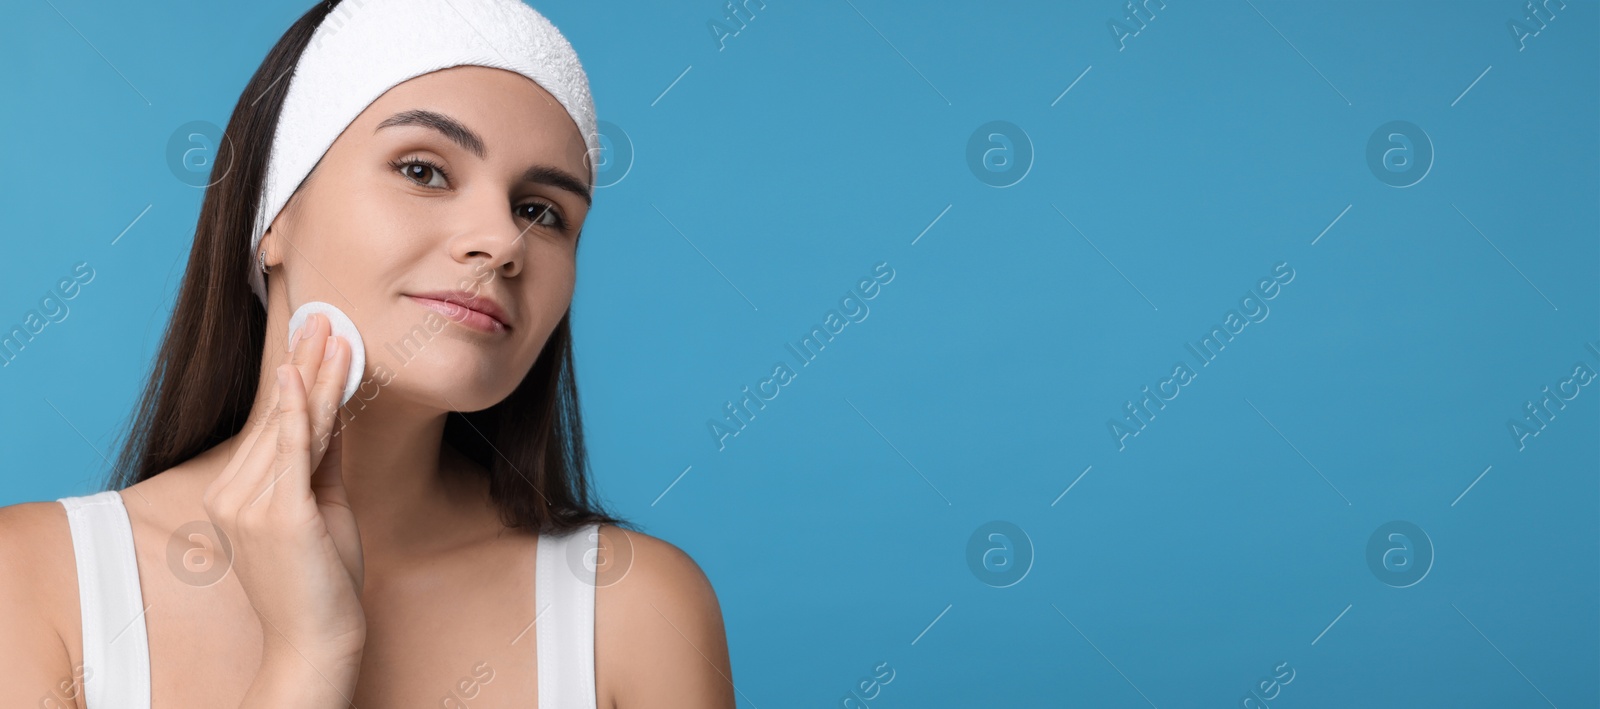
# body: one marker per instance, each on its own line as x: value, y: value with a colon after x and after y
x: 465, y: 316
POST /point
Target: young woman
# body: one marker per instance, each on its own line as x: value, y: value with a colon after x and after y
x: 432, y: 542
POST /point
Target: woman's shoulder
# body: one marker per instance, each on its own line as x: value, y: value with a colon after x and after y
x: 658, y: 622
x: 36, y: 557
x: 655, y: 565
x: 38, y: 591
x: 39, y: 565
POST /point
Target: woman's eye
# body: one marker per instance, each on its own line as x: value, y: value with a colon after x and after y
x: 420, y: 171
x: 535, y: 211
x: 424, y: 171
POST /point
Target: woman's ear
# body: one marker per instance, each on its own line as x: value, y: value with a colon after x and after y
x: 265, y: 254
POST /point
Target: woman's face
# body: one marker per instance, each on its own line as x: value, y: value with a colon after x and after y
x: 467, y: 179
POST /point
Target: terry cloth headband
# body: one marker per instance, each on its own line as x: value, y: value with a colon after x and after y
x: 365, y: 47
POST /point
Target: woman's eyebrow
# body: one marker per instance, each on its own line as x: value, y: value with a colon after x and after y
x: 470, y: 141
x: 450, y: 127
x: 560, y: 179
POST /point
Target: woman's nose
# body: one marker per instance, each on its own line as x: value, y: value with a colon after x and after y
x: 495, y: 242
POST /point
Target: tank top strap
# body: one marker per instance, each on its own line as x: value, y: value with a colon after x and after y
x: 564, y: 593
x: 116, y: 650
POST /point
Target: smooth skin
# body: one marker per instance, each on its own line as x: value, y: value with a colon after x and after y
x: 369, y: 566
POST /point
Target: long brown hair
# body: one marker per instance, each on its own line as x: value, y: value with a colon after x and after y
x: 203, y: 380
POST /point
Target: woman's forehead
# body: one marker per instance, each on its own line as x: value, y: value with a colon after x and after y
x: 496, y: 109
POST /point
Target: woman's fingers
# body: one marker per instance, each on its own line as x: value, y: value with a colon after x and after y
x: 290, y: 441
x: 229, y: 485
x: 327, y: 487
x: 290, y: 462
x: 262, y: 427
x: 308, y: 349
x: 326, y: 396
x: 293, y: 412
x: 327, y: 478
x: 249, y: 464
x: 324, y: 362
x: 235, y: 463
x: 307, y: 420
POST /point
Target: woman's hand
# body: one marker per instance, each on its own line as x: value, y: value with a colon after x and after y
x: 281, y: 501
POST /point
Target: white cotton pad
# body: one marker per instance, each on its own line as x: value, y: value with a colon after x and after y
x: 343, y: 327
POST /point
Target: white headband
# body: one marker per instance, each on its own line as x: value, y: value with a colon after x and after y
x: 365, y: 47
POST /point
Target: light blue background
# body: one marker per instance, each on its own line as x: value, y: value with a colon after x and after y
x: 826, y: 137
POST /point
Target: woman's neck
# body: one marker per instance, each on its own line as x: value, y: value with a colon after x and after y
x: 412, y: 494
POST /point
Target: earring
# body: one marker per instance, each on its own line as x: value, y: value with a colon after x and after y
x: 261, y: 260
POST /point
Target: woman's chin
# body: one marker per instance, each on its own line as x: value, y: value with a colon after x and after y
x: 451, y: 382
x: 469, y: 400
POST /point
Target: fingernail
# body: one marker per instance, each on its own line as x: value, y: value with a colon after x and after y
x: 327, y: 349
x: 282, y: 380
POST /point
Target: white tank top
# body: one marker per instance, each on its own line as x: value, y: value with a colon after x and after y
x: 116, y: 650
